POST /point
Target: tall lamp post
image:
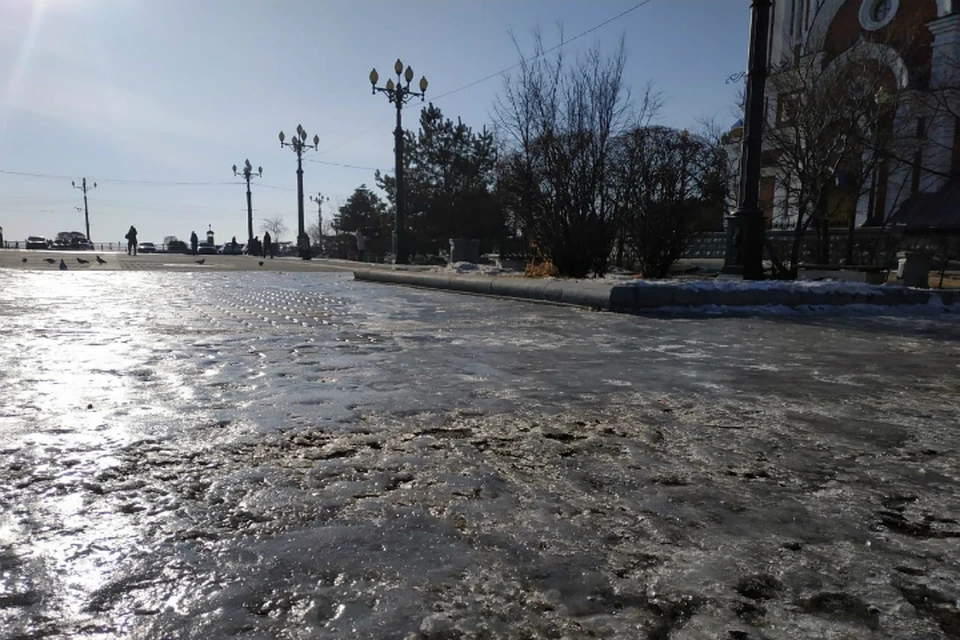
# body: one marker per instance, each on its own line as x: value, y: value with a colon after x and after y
x: 299, y: 144
x: 86, y: 212
x: 744, y: 253
x: 248, y: 175
x: 399, y: 94
x: 320, y: 199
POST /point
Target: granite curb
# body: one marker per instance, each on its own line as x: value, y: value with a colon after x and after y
x: 629, y: 298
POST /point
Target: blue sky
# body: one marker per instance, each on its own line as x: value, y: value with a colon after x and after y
x: 134, y: 91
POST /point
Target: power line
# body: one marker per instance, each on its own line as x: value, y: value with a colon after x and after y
x: 348, y: 166
x: 162, y: 183
x: 563, y: 43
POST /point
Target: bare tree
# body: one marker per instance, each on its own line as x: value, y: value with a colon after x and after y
x: 275, y: 226
x: 832, y: 126
x: 668, y: 183
x: 560, y: 120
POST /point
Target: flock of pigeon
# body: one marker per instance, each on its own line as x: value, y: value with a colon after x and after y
x: 63, y: 264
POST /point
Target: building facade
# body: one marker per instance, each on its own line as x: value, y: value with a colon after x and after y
x: 919, y: 42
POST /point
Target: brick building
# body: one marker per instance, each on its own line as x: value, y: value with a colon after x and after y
x: 921, y: 61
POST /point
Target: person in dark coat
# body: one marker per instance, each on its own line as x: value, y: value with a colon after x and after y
x: 132, y: 241
x: 194, y: 242
x: 267, y: 244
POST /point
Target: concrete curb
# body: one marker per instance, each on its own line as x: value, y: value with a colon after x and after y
x: 632, y: 299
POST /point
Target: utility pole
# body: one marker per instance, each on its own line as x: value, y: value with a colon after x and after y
x: 744, y: 253
x: 86, y: 212
x: 247, y: 174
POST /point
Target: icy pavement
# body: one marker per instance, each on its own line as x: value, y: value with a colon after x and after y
x: 274, y: 455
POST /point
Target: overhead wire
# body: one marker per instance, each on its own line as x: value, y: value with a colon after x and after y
x: 120, y: 181
x: 499, y: 73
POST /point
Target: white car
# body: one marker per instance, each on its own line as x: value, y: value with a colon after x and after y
x: 36, y: 242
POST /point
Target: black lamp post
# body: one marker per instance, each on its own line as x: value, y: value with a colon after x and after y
x: 248, y: 175
x: 744, y: 253
x: 86, y: 212
x: 319, y: 199
x: 299, y: 144
x: 399, y: 94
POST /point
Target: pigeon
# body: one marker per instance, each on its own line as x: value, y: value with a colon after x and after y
x: 63, y: 265
x: 201, y: 260
x: 50, y: 260
x: 101, y: 260
x: 82, y: 261
x: 259, y: 263
x: 24, y: 259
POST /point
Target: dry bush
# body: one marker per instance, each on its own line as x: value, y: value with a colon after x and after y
x: 540, y: 269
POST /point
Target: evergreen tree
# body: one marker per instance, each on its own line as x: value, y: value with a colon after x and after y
x: 449, y: 174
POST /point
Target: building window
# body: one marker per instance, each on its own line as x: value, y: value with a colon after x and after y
x: 786, y: 109
x: 918, y: 157
x: 876, y: 14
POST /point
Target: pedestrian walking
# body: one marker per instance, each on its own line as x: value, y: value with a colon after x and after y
x: 267, y: 244
x: 194, y: 242
x: 131, y: 241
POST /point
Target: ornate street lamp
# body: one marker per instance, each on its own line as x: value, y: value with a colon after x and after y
x: 399, y: 94
x: 299, y: 144
x: 248, y: 175
x: 319, y: 199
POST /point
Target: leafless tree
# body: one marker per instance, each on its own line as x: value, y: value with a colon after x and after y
x: 832, y: 126
x: 560, y: 119
x: 275, y: 226
x: 668, y: 184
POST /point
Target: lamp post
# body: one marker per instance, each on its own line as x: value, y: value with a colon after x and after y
x: 86, y: 212
x: 320, y: 199
x: 248, y: 175
x: 399, y: 94
x: 299, y: 143
x: 744, y: 254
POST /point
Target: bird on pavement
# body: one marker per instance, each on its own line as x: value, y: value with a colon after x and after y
x: 82, y: 261
x: 50, y: 260
x: 63, y: 265
x: 201, y: 260
x: 24, y: 259
x: 259, y: 263
x: 101, y: 260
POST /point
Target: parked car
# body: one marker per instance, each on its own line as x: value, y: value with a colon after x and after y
x: 146, y: 247
x: 207, y: 248
x: 177, y: 246
x: 36, y: 242
x: 73, y: 241
x: 232, y: 249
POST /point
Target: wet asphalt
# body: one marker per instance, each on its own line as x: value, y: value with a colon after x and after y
x: 211, y: 453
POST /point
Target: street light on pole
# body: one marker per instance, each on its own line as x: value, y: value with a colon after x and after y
x: 399, y: 94
x: 319, y: 199
x: 86, y: 212
x: 248, y: 175
x: 744, y: 253
x: 299, y: 144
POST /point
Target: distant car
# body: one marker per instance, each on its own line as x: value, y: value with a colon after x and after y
x: 146, y: 247
x: 231, y: 249
x: 206, y: 248
x: 177, y: 246
x: 36, y: 242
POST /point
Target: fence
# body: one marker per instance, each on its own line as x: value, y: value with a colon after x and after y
x: 871, y: 246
